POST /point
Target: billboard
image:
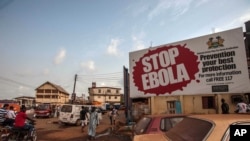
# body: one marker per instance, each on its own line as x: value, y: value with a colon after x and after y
x: 214, y: 63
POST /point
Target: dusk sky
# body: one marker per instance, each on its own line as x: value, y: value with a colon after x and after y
x: 52, y: 40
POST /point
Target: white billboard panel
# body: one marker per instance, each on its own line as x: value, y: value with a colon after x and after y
x: 214, y: 63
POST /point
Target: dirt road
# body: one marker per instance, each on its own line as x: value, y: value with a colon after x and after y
x: 49, y: 129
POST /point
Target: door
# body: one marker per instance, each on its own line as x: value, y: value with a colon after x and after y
x: 174, y: 107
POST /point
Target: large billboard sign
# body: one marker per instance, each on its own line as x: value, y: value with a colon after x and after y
x: 214, y: 63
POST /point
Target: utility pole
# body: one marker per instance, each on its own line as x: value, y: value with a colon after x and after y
x: 247, y: 38
x: 73, y: 96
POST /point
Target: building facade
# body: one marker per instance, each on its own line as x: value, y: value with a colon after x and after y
x: 194, y: 101
x: 28, y: 101
x: 51, y: 93
x: 108, y: 95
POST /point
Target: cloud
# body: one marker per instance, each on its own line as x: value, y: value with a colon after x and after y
x: 237, y: 22
x: 113, y: 47
x: 176, y: 8
x: 88, y: 66
x: 201, y: 2
x: 138, y: 43
x: 60, y: 57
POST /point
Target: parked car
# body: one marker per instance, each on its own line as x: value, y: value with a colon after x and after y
x: 151, y: 124
x: 43, y: 110
x: 209, y: 127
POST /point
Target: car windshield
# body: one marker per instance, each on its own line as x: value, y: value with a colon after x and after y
x: 168, y: 123
x: 185, y: 130
x: 142, y: 125
x: 66, y: 108
x: 42, y: 107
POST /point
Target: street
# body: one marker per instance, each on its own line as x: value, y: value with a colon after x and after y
x: 49, y: 129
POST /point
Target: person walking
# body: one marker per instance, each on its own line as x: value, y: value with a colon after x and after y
x: 112, y: 115
x: 93, y: 121
x: 224, y: 107
x: 83, y: 117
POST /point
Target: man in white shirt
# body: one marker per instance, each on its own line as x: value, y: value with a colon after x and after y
x: 11, y: 113
x: 241, y: 107
x: 10, y: 116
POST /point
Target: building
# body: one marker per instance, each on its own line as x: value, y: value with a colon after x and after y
x: 109, y: 95
x: 158, y: 86
x: 51, y: 93
x: 28, y: 101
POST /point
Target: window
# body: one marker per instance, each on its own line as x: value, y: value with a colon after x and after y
x: 54, y: 91
x: 47, y: 91
x: 115, y: 97
x: 168, y: 123
x: 108, y: 90
x: 236, y: 98
x: 171, y: 107
x: 142, y: 125
x: 99, y: 96
x: 117, y: 91
x: 66, y: 108
x: 109, y: 97
x: 40, y: 91
x: 208, y: 102
x: 39, y: 96
x: 99, y: 91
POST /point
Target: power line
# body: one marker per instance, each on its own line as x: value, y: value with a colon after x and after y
x: 16, y: 82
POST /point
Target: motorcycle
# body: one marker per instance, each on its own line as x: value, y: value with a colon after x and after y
x: 5, y: 131
x: 10, y: 133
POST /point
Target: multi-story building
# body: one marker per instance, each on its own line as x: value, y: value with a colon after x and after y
x: 51, y: 93
x: 108, y: 95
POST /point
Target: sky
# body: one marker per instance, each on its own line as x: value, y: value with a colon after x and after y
x: 54, y: 40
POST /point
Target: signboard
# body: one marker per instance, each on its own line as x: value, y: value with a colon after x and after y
x: 214, y: 63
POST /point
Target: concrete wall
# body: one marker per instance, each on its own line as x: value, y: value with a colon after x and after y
x: 191, y: 104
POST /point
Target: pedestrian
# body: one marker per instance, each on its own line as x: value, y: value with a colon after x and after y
x: 241, y: 107
x: 224, y: 107
x: 93, y: 120
x: 83, y: 118
x: 3, y: 114
x: 58, y: 110
x: 10, y: 118
x: 112, y: 116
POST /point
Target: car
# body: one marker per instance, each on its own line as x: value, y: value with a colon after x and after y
x: 43, y: 110
x: 152, y: 124
x: 209, y: 127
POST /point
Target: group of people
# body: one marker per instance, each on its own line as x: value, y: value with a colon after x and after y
x: 94, y: 120
x: 241, y: 107
x: 8, y: 117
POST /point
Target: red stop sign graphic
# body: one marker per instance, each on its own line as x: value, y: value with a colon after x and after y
x: 165, y: 70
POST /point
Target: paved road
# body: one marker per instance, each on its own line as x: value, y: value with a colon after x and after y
x: 49, y: 129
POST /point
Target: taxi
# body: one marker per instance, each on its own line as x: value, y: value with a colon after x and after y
x: 209, y: 127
